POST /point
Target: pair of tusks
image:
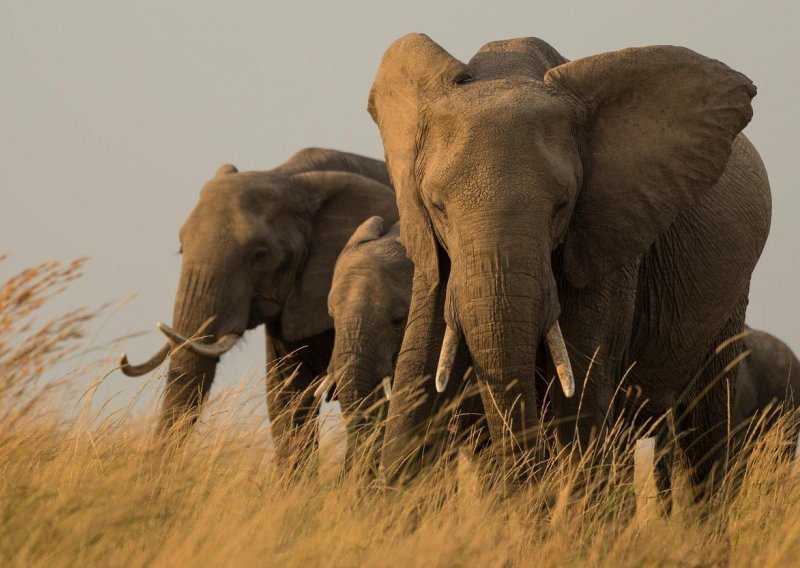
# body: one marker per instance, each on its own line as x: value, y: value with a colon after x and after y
x: 211, y: 351
x: 328, y: 380
x: 555, y: 344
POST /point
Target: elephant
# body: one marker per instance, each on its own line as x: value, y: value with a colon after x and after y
x: 259, y: 248
x: 610, y: 204
x: 368, y: 302
x: 769, y: 375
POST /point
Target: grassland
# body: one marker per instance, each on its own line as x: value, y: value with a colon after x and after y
x: 82, y: 491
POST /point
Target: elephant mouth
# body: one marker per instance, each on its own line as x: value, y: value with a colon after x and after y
x: 263, y: 310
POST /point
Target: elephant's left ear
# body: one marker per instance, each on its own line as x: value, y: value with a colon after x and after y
x: 338, y: 203
x: 659, y: 128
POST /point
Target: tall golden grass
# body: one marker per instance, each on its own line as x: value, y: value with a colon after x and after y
x: 80, y: 491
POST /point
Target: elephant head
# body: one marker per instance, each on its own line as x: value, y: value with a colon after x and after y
x: 368, y: 301
x: 259, y: 247
x: 768, y: 376
x: 520, y: 174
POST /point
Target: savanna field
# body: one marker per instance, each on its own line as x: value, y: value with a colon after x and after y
x: 98, y: 488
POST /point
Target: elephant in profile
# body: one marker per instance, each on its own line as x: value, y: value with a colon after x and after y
x: 608, y: 204
x: 259, y: 248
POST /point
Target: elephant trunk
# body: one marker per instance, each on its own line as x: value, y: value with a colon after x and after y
x: 505, y: 304
x: 201, y: 296
x: 358, y: 364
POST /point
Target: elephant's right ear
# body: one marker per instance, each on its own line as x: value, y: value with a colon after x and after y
x: 413, y: 70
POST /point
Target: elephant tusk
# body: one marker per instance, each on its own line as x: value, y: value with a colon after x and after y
x: 213, y: 351
x: 324, y: 387
x: 387, y: 386
x: 446, y: 358
x: 558, y: 351
x: 153, y: 362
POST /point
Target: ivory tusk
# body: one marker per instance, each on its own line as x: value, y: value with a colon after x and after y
x: 558, y: 351
x: 153, y: 362
x: 387, y: 386
x: 213, y: 351
x: 324, y: 387
x: 446, y: 358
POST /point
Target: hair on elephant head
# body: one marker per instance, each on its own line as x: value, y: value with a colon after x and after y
x: 259, y: 248
x: 519, y: 176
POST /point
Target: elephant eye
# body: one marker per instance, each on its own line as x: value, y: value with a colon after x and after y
x: 463, y: 79
x: 399, y: 322
x: 560, y: 206
x: 438, y: 205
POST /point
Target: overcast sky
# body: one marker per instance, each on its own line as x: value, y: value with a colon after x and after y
x: 113, y: 116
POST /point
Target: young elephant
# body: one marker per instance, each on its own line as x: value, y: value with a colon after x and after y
x: 368, y: 302
x: 769, y: 375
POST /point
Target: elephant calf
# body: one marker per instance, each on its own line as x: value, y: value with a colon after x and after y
x: 368, y: 302
x: 769, y: 375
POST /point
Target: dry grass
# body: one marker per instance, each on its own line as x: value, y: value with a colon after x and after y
x: 87, y: 492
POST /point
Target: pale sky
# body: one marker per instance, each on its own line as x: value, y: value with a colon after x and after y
x: 113, y: 116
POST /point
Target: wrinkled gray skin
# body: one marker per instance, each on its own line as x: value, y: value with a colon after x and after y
x: 769, y: 375
x: 368, y: 302
x: 613, y: 194
x: 259, y: 248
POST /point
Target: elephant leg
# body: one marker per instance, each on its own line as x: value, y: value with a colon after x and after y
x: 292, y: 407
x: 703, y: 418
x: 596, y: 323
x: 416, y: 425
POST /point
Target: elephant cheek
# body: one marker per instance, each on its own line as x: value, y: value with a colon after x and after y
x: 267, y: 307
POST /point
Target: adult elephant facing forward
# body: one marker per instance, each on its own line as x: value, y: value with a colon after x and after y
x: 259, y: 248
x: 609, y: 194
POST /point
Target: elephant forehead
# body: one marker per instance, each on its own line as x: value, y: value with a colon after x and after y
x: 237, y: 208
x: 363, y: 273
x: 489, y: 130
x: 510, y: 110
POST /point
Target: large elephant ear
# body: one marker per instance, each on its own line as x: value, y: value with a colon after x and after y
x: 413, y: 70
x: 660, y: 123
x: 339, y: 202
x: 524, y: 56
